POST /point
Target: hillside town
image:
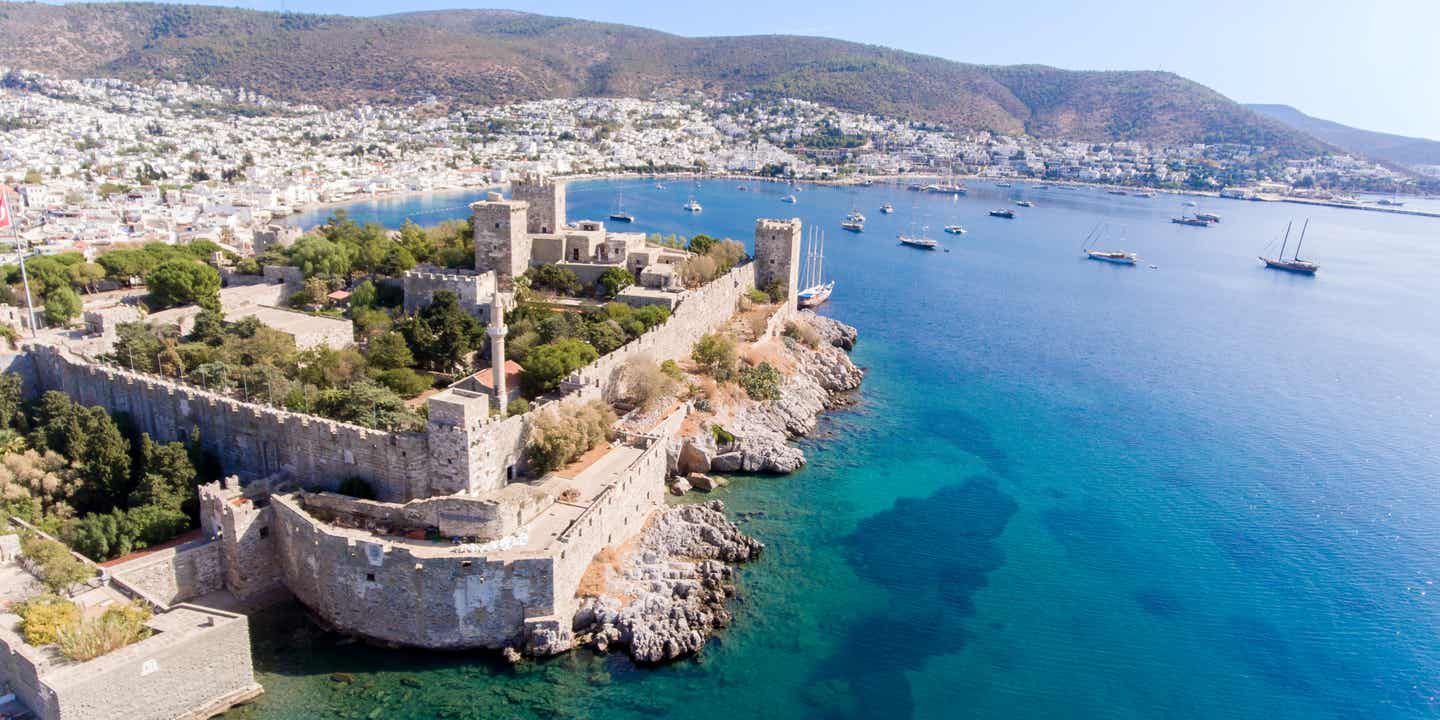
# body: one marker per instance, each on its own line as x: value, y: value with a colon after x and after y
x: 95, y: 163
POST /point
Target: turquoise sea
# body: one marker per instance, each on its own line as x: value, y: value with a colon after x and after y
x: 1068, y: 489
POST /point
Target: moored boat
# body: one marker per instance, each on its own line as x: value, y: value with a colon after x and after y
x: 853, y: 225
x: 1207, y: 217
x: 1024, y: 203
x: 788, y: 199
x: 955, y: 229
x: 918, y: 241
x: 1117, y: 257
x: 1003, y: 213
x: 693, y: 205
x: 1294, y: 264
x: 815, y: 290
x: 887, y: 209
x: 1191, y: 221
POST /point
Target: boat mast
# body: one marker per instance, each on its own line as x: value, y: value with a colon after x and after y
x: 1301, y: 241
x: 1286, y: 240
x: 820, y: 261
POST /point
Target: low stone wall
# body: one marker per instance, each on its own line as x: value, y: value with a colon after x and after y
x: 174, y: 575
x: 701, y: 312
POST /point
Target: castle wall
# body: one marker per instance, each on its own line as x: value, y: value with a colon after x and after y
x: 701, y: 312
x: 174, y: 575
x: 249, y: 439
x: 501, y: 243
x: 385, y: 592
x: 473, y: 290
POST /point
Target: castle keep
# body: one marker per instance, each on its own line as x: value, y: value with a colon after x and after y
x: 387, y: 568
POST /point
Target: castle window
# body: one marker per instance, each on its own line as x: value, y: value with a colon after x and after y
x: 497, y: 226
x: 465, y: 563
x: 369, y: 577
x: 264, y: 532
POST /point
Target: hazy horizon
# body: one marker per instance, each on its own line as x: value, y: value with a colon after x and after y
x: 1362, y: 66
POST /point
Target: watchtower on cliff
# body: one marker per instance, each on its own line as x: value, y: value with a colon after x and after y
x: 777, y: 256
x: 502, y: 243
x: 547, y: 203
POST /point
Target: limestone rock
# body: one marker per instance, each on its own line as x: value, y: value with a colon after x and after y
x: 511, y: 655
x: 831, y: 330
x: 695, y: 456
x: 705, y: 483
x: 680, y: 486
x: 679, y: 579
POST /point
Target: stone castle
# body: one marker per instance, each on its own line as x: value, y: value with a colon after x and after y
x: 460, y: 548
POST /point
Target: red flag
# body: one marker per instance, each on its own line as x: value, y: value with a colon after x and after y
x: 4, y: 210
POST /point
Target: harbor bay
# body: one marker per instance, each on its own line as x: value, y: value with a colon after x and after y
x: 1067, y: 488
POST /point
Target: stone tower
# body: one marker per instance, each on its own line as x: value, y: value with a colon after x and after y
x: 497, y: 332
x: 777, y: 255
x: 547, y: 203
x: 501, y: 241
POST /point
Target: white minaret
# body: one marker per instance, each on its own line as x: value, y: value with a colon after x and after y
x: 497, y: 332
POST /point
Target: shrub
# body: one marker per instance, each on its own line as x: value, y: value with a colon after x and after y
x: 644, y: 383
x: 545, y: 366
x: 803, y: 334
x: 518, y: 406
x: 42, y: 618
x: 614, y: 280
x: 761, y: 382
x: 757, y: 296
x: 716, y: 354
x: 777, y: 290
x: 405, y: 382
x: 561, y: 435
x: 671, y: 368
x: 116, y: 628
x: 58, y: 568
x: 556, y: 278
x: 357, y: 487
x: 723, y: 438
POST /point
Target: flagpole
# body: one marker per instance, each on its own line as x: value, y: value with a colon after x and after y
x: 24, y: 277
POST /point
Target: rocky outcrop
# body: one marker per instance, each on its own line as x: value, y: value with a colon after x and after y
x: 669, y: 593
x: 762, y: 430
x: 831, y: 330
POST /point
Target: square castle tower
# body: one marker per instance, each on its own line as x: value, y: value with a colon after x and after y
x: 777, y: 256
x: 503, y: 227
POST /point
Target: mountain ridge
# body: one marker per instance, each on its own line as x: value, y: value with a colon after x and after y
x: 499, y: 56
x: 1401, y: 150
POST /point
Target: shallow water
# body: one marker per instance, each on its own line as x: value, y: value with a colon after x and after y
x: 1069, y: 489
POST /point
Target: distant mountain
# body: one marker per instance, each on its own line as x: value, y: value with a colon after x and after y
x: 1378, y: 146
x: 497, y: 56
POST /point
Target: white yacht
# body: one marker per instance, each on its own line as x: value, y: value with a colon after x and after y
x: 693, y: 205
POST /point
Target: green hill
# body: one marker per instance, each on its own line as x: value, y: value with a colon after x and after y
x: 496, y: 56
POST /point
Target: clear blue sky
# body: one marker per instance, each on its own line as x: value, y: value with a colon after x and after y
x: 1368, y: 63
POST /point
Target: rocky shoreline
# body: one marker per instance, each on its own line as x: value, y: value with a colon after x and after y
x: 664, y: 597
x: 660, y: 597
x: 821, y: 379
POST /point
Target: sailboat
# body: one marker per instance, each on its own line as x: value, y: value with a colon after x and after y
x: 816, y: 290
x: 620, y: 215
x: 692, y: 205
x: 1118, y: 257
x: 1294, y: 264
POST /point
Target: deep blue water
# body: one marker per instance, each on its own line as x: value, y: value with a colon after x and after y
x: 1069, y: 489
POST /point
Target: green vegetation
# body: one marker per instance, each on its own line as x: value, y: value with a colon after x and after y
x: 644, y: 383
x: 550, y: 345
x: 114, y: 629
x: 715, y: 354
x: 719, y: 258
x: 43, y: 617
x: 556, y: 279
x: 61, y: 306
x: 561, y: 435
x: 614, y: 280
x: 182, y: 282
x: 58, y: 570
x: 761, y: 382
x: 88, y: 478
